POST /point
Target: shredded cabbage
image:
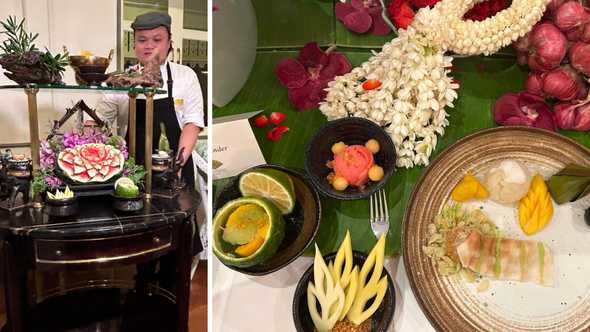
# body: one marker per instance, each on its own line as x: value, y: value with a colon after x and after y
x: 451, y: 217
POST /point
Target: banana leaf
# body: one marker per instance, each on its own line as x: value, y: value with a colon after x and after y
x: 570, y: 184
x: 482, y: 80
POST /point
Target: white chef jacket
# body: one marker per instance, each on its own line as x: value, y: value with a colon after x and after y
x: 186, y: 91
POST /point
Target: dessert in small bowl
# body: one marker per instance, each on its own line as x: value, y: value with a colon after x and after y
x: 350, y: 158
x: 127, y: 196
x: 90, y: 69
x: 346, y: 291
x: 61, y: 203
x: 264, y: 219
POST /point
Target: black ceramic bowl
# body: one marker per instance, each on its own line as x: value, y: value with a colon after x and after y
x: 61, y: 207
x: 351, y: 131
x: 125, y: 204
x: 380, y: 320
x: 301, y: 225
x: 90, y: 78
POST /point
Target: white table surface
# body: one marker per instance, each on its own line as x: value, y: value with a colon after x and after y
x: 243, y: 303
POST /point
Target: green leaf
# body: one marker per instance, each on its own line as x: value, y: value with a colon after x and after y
x: 136, y: 172
x: 575, y: 170
x: 567, y: 188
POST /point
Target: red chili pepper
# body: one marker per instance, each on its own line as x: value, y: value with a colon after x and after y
x: 371, y: 84
x: 276, y: 133
x: 277, y: 117
x: 261, y: 121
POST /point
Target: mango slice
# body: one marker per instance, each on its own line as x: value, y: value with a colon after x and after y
x: 243, y: 223
x: 375, y: 287
x: 342, y: 271
x: 327, y: 292
x: 251, y: 247
x: 535, y: 209
x: 469, y: 188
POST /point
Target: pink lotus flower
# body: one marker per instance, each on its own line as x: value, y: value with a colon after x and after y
x: 523, y: 109
x: 362, y: 16
x: 307, y: 76
x: 574, y: 116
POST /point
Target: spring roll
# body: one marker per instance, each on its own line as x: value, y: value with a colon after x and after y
x: 507, y: 259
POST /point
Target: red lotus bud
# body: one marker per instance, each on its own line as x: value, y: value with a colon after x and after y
x: 562, y: 83
x: 547, y: 47
x: 570, y: 15
x: 534, y: 84
x: 585, y: 35
x: 553, y: 6
x: 582, y: 118
x: 579, y: 55
x: 564, y: 115
x: 573, y: 116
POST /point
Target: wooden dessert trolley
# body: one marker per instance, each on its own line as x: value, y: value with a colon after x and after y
x: 161, y: 234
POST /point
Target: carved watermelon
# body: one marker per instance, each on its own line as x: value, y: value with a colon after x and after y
x: 91, y: 162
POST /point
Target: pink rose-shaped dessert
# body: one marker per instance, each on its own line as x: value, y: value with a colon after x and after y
x: 353, y: 164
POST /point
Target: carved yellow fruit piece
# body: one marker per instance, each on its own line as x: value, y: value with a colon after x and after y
x: 469, y: 188
x: 344, y: 271
x: 535, y: 209
x: 327, y: 292
x: 375, y: 287
x: 251, y: 247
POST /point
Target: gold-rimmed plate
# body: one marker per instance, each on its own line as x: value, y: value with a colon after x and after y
x: 453, y: 304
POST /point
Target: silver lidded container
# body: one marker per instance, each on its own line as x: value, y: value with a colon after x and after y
x: 19, y: 166
x: 161, y: 161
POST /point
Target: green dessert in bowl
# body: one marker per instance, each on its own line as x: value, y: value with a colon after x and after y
x: 247, y: 231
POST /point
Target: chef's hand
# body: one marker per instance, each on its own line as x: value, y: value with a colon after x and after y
x: 180, y: 161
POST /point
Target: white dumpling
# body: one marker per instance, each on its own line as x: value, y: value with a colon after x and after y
x: 507, y: 182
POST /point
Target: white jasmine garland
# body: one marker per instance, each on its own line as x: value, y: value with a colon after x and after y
x: 415, y: 74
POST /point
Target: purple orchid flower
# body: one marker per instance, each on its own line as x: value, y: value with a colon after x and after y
x: 307, y: 76
x: 46, y: 156
x: 72, y: 139
x: 362, y: 16
x: 53, y: 182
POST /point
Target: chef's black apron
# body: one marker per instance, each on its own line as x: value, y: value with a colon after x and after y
x: 164, y: 111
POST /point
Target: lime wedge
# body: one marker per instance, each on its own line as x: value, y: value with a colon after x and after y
x: 271, y: 184
x: 124, y: 187
x: 125, y: 182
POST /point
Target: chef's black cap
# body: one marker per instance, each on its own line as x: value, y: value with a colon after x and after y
x: 151, y: 20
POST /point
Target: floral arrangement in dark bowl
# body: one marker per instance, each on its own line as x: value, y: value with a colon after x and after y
x: 84, y: 157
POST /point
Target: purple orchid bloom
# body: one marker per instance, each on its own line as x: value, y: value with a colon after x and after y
x: 123, y: 148
x: 46, y: 156
x: 72, y: 139
x: 53, y: 182
x: 362, y: 16
x: 97, y: 137
x: 307, y: 76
